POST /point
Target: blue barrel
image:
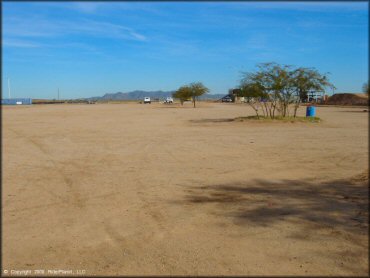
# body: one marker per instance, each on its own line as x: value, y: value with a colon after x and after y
x: 310, y: 111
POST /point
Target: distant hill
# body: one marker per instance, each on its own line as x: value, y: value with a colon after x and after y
x: 139, y: 95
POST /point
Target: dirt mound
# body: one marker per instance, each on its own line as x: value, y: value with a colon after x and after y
x: 362, y: 95
x: 348, y: 99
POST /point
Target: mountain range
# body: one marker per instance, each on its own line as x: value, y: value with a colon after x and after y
x: 139, y: 95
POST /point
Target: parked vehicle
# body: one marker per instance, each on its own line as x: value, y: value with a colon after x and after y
x: 147, y: 100
x: 227, y: 99
x: 169, y: 100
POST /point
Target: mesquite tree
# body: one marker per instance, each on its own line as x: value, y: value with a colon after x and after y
x: 197, y: 89
x: 255, y: 93
x: 183, y: 93
x: 273, y: 88
x: 192, y: 91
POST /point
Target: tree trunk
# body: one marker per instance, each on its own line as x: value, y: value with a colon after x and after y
x: 254, y: 108
x: 296, y: 107
x: 270, y: 110
x: 263, y: 110
x: 194, y: 101
x: 258, y: 116
x: 284, y: 110
x: 267, y: 111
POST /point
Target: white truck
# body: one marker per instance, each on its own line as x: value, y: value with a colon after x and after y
x: 169, y: 100
x: 147, y: 100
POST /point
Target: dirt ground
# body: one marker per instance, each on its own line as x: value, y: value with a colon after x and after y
x: 130, y: 189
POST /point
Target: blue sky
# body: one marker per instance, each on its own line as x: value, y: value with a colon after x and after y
x: 92, y: 48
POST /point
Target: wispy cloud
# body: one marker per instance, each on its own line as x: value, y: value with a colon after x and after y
x: 36, y: 26
x: 104, y: 29
x: 20, y: 43
x: 85, y: 7
x: 326, y: 24
x: 313, y: 6
x: 91, y: 8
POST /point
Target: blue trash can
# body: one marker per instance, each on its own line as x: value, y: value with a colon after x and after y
x: 310, y: 111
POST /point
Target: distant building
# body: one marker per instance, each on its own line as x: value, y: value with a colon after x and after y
x: 315, y: 96
x: 16, y: 101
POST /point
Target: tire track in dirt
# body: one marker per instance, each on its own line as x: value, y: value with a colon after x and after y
x: 152, y: 228
x: 144, y: 193
x: 40, y: 208
x: 77, y: 200
x: 149, y: 206
x: 43, y: 151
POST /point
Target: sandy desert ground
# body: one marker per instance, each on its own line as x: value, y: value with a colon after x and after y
x: 130, y: 189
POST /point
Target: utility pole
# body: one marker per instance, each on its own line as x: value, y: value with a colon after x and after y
x: 9, y: 87
x: 58, y: 93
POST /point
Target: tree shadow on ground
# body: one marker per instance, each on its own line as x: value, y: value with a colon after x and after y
x: 172, y: 106
x: 222, y: 120
x: 355, y: 111
x: 338, y: 204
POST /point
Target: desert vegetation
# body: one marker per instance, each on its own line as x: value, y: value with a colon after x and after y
x: 191, y: 91
x: 273, y: 90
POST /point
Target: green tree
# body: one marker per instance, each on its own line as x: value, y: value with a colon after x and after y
x: 309, y: 79
x: 183, y: 93
x: 254, y: 91
x: 192, y: 91
x: 197, y: 89
x: 274, y: 88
